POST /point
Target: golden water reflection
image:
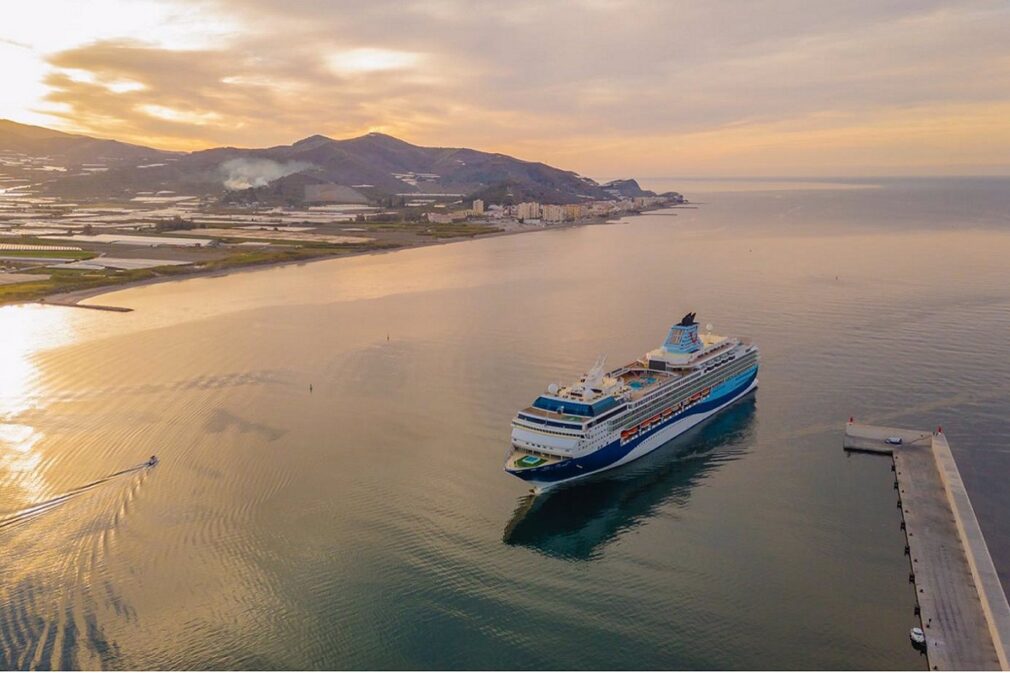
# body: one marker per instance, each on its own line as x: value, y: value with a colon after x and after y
x: 25, y: 333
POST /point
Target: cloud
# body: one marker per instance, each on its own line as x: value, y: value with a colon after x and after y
x: 562, y: 82
x: 15, y: 43
x: 246, y: 173
x: 255, y: 93
x: 368, y: 60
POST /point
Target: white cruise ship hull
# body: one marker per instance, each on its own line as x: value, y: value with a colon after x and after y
x: 618, y: 453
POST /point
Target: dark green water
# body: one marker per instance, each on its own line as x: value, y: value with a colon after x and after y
x: 368, y: 524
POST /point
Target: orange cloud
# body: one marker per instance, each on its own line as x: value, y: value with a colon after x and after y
x: 617, y: 88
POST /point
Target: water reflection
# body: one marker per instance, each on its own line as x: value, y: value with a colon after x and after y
x: 577, y: 521
x: 265, y: 540
x: 25, y: 331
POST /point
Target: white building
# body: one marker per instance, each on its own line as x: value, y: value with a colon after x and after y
x: 553, y: 213
x: 529, y: 211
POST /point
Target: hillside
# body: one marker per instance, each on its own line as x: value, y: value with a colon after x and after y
x: 371, y: 167
x: 70, y: 148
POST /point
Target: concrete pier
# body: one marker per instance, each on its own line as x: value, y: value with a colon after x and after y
x: 963, y: 608
x: 94, y: 307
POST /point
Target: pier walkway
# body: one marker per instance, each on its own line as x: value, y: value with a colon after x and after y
x: 95, y: 307
x: 963, y: 608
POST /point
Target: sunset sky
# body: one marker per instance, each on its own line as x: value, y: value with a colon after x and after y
x: 773, y: 88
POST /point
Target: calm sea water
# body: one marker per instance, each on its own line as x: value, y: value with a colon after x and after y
x: 368, y: 524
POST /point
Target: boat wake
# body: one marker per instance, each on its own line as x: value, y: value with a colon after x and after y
x: 29, y: 513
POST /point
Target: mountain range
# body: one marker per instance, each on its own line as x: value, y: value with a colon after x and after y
x: 39, y: 141
x: 371, y: 168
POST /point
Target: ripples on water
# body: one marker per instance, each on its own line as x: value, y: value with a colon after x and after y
x: 367, y: 523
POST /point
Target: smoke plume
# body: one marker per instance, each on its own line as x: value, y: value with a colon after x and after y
x: 246, y: 173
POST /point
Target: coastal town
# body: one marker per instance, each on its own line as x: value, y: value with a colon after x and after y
x: 52, y: 244
x: 545, y: 214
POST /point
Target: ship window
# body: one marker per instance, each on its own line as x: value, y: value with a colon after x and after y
x: 575, y: 408
x: 603, y: 405
x: 554, y: 424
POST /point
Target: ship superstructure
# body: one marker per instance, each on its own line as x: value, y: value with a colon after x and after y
x: 608, y: 418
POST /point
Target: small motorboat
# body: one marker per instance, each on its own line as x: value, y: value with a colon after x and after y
x: 917, y: 636
x: 896, y: 441
x: 152, y: 461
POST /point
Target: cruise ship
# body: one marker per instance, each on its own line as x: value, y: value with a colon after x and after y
x: 609, y: 418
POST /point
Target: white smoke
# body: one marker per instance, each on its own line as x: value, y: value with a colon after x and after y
x: 246, y: 173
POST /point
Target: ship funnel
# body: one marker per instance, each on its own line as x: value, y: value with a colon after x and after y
x: 683, y: 337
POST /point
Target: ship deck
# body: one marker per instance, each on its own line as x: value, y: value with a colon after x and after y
x: 643, y: 381
x: 517, y: 455
x: 638, y: 380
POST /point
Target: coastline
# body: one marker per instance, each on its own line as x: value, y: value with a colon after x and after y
x: 74, y: 298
